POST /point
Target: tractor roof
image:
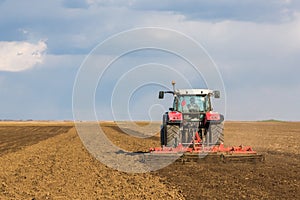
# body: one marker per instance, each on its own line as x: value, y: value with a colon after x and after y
x: 193, y: 91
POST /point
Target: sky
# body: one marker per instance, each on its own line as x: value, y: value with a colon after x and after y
x: 43, y: 45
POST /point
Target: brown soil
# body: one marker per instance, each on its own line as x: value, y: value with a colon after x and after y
x: 48, y: 161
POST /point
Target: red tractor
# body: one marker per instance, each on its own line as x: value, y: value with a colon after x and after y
x: 191, y: 128
x: 191, y: 113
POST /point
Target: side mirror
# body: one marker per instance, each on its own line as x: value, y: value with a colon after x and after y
x: 171, y: 109
x: 161, y: 94
x: 217, y: 94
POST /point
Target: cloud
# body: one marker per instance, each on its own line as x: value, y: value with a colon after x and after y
x: 77, y: 31
x: 19, y: 56
x: 217, y: 10
x: 68, y: 29
x: 255, y: 43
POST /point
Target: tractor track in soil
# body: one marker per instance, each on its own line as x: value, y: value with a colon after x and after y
x: 46, y: 160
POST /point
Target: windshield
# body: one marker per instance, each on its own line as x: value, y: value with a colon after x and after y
x: 192, y: 104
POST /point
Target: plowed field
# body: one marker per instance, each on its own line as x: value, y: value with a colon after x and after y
x: 47, y: 160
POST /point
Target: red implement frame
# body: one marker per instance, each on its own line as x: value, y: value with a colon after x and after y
x: 196, y: 147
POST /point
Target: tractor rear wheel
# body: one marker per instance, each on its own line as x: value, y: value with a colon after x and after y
x: 216, y: 133
x: 173, y: 133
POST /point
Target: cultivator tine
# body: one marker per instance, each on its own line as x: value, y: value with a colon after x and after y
x: 216, y: 154
x: 198, y: 158
x: 255, y: 158
x: 224, y: 158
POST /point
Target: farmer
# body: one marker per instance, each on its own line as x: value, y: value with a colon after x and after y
x: 193, y: 107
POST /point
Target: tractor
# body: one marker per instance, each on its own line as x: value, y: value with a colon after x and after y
x: 191, y: 130
x: 192, y: 113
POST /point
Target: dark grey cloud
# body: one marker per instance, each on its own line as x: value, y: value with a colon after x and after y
x: 246, y: 10
x: 77, y: 31
x: 67, y: 30
x: 217, y: 10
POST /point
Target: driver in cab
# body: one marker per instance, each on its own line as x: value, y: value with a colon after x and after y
x: 193, y: 107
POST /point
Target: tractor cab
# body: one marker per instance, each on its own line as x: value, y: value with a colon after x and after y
x: 191, y: 103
